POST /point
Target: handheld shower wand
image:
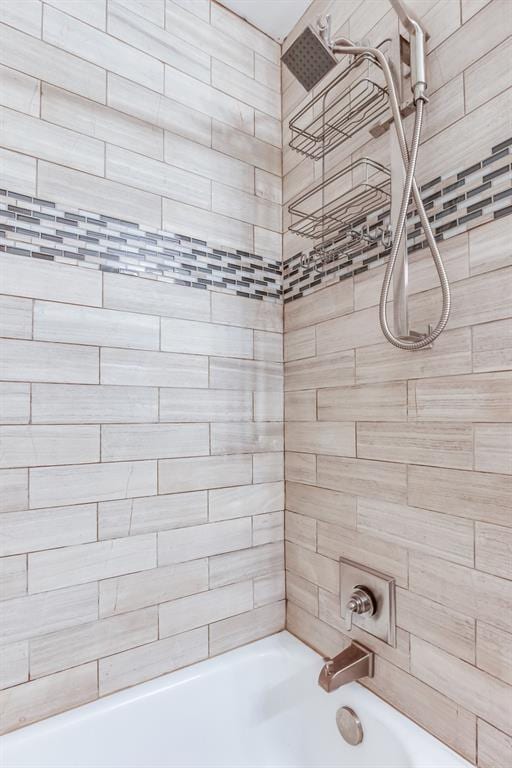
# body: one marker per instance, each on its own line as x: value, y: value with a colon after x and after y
x: 305, y: 62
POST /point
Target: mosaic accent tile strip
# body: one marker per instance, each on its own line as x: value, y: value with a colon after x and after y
x: 41, y: 229
x: 455, y: 203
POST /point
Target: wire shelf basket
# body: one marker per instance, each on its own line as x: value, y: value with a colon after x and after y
x: 333, y: 209
x: 350, y: 102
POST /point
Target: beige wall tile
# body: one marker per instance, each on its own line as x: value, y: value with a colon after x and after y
x: 268, y: 406
x: 335, y: 438
x: 52, y: 64
x: 13, y: 490
x: 87, y: 325
x: 152, y: 10
x: 489, y: 246
x: 477, y: 691
x: 246, y: 89
x: 317, y: 634
x: 206, y: 339
x: 247, y: 627
x: 451, y: 354
x: 268, y: 467
x: 300, y: 530
x: 129, y: 517
x: 23, y: 446
x: 268, y: 528
x: 481, y: 397
x: 313, y: 567
x: 378, y: 479
x: 300, y: 467
x: 302, y: 593
x: 187, y: 154
x: 154, y: 298
x: 269, y: 589
x: 437, y: 624
x: 439, y: 444
x: 245, y: 500
x: 13, y: 576
x: 224, y: 19
x: 33, y: 615
x: 15, y: 317
x: 101, y: 49
x: 151, y: 660
x: 484, y: 597
x: 220, y: 231
x: 437, y: 534
x: 492, y: 346
x: 65, y: 567
x: 38, y: 699
x: 357, y: 329
x: 14, y: 664
x: 81, y: 190
x: 26, y: 17
x: 205, y: 404
x: 53, y: 282
x: 325, y: 505
x: 475, y: 495
x: 493, y: 549
x: 250, y: 149
x: 203, y: 541
x: 178, y: 475
x: 68, y: 403
x: 493, y: 448
x: 300, y: 405
x: 268, y: 346
x: 246, y: 564
x: 261, y: 437
x: 237, y: 310
x: 329, y: 303
x: 434, y: 711
x: 41, y: 361
x: 90, y: 11
x: 78, y: 645
x: 47, y: 528
x: 14, y: 403
x: 18, y: 171
x: 247, y: 207
x: 156, y: 585
x: 382, y: 402
x: 200, y: 8
x: 31, y: 136
x: 322, y: 371
x: 494, y: 747
x: 153, y: 441
x: 204, y: 608
x: 160, y: 369
x: 299, y: 344
x: 245, y: 374
x: 79, y: 484
x: 494, y: 651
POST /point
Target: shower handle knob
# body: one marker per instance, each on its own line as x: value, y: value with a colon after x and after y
x: 361, y: 602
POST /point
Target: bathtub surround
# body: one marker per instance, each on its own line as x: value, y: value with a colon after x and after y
x: 403, y: 461
x: 142, y: 408
x: 135, y: 410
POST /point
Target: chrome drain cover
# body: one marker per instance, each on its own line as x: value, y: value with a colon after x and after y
x: 349, y: 725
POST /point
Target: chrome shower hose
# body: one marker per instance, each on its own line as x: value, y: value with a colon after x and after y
x: 409, y: 159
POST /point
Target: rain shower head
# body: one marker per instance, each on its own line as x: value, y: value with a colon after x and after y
x: 309, y: 59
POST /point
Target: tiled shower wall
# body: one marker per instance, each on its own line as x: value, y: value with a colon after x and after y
x: 403, y: 461
x: 141, y: 460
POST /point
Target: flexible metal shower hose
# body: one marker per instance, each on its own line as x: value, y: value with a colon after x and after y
x: 409, y: 159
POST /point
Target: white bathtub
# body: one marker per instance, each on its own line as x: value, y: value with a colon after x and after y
x: 256, y: 706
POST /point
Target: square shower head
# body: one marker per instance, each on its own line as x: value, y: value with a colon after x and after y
x: 309, y: 59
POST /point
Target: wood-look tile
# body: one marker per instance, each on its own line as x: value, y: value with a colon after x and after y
x: 268, y: 406
x: 15, y: 317
x: 300, y: 467
x: 269, y: 588
x: 493, y: 448
x: 159, y: 369
x: 260, y: 437
x: 81, y: 404
x: 302, y: 593
x: 494, y: 651
x: 313, y: 567
x: 251, y: 149
x: 435, y: 443
x: 377, y: 479
x: 479, y: 692
x: 494, y: 746
x: 247, y: 627
x: 14, y: 403
x: 268, y: 346
x: 237, y: 310
x: 483, y: 596
x: 386, y: 556
x: 369, y: 402
x: 317, y: 307
x: 437, y: 534
x: 267, y: 528
x: 245, y: 500
x: 44, y: 361
x: 130, y: 517
x: 444, y: 627
x: 47, y: 528
x: 493, y: 549
x: 317, y: 634
x: 300, y: 405
x: 300, y: 530
x: 153, y: 441
x: 13, y: 490
x: 344, y: 331
x: 268, y: 467
x: 326, y: 505
x: 189, y: 405
x: 19, y: 170
x: 125, y: 292
x: 198, y: 541
x: 322, y: 371
x: 477, y: 397
x: 19, y: 91
x: 37, y: 445
x: 299, y: 344
x: 489, y: 246
x: 333, y: 438
x: 13, y: 576
x: 14, y: 664
x: 474, y: 495
x: 178, y: 475
x: 251, y: 37
x: 492, y: 346
x: 246, y: 564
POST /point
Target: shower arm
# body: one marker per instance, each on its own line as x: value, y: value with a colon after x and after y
x: 343, y: 46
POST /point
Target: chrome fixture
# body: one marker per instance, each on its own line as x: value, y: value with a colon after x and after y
x: 361, y: 601
x: 349, y: 725
x: 310, y: 58
x: 353, y: 663
x: 367, y: 601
